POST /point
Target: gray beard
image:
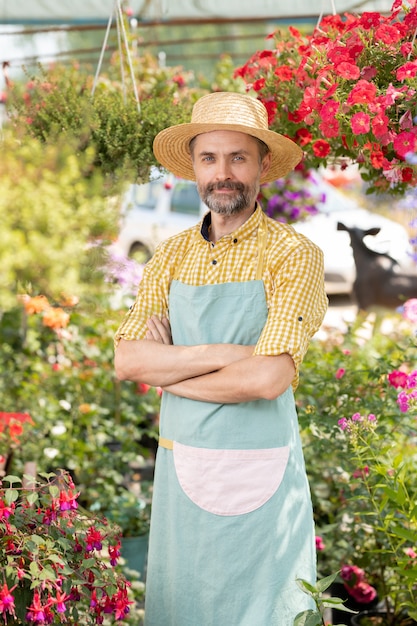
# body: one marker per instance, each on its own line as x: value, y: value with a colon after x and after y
x: 227, y: 206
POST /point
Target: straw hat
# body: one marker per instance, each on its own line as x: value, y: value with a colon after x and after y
x: 225, y: 111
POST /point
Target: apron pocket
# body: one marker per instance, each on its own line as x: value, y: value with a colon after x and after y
x: 229, y: 482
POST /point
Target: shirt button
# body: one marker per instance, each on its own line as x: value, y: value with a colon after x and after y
x: 214, y: 262
x: 234, y: 240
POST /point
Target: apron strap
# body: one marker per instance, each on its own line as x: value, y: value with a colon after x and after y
x: 262, y: 241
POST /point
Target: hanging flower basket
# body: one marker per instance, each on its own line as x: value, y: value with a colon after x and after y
x: 347, y: 93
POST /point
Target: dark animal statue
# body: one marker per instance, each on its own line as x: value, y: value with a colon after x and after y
x: 379, y: 279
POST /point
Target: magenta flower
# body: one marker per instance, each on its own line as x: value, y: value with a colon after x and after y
x: 340, y: 372
x: 397, y: 379
x: 320, y: 545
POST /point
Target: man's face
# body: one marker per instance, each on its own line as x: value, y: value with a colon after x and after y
x: 228, y: 169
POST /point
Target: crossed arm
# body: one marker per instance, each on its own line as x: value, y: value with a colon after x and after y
x: 224, y: 373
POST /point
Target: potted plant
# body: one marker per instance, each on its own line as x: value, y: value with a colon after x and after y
x: 346, y: 92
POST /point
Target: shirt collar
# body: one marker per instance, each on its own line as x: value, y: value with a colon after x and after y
x: 244, y: 231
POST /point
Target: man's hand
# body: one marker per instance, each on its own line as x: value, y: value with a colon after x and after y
x: 159, y: 329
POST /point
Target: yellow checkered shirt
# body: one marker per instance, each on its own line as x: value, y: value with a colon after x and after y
x: 293, y: 277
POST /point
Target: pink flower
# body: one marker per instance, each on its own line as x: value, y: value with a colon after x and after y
x: 411, y: 553
x: 409, y: 310
x: 68, y: 500
x: 397, y: 379
x: 408, y: 70
x: 319, y: 543
x: 330, y: 128
x: 352, y: 574
x: 404, y: 143
x: 343, y: 423
x: 362, y: 592
x: 6, y: 601
x: 360, y: 123
x: 380, y: 125
x: 340, y: 372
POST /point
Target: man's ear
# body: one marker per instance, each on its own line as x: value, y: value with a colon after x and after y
x: 266, y: 163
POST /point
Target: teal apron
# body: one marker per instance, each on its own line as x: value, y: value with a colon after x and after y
x: 232, y: 524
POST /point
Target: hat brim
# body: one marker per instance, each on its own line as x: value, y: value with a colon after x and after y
x: 171, y: 148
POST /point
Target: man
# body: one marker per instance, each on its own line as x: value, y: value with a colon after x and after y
x: 223, y: 317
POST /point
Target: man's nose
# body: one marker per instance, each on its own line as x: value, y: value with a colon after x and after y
x: 223, y: 170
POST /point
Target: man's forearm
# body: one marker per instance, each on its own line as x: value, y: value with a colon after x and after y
x: 253, y: 378
x: 160, y: 365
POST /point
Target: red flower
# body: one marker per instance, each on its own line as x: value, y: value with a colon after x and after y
x: 362, y: 93
x: 348, y: 70
x: 388, y: 33
x: 321, y: 148
x: 258, y: 84
x: 94, y: 539
x: 303, y: 136
x: 407, y: 175
x: 271, y: 108
x: 377, y: 159
x: 369, y: 20
x: 330, y: 128
x: 284, y: 72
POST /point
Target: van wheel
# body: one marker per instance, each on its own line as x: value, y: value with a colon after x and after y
x: 139, y: 252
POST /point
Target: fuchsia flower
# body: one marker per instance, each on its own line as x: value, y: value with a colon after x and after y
x: 94, y: 540
x: 7, y: 604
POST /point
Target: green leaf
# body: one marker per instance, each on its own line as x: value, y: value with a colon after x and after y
x: 308, y: 618
x: 307, y: 587
x: 11, y: 495
x: 54, y: 491
x: 324, y: 583
x: 12, y: 479
x: 32, y: 497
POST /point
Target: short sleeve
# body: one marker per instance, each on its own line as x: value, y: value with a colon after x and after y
x: 297, y: 302
x: 152, y: 298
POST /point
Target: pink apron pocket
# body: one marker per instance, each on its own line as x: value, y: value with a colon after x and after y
x: 229, y: 482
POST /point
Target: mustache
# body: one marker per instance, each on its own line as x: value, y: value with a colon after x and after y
x: 226, y: 184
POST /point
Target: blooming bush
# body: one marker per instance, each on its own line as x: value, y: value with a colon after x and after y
x: 346, y: 92
x: 52, y: 559
x: 360, y: 443
x: 57, y: 365
x: 291, y: 199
